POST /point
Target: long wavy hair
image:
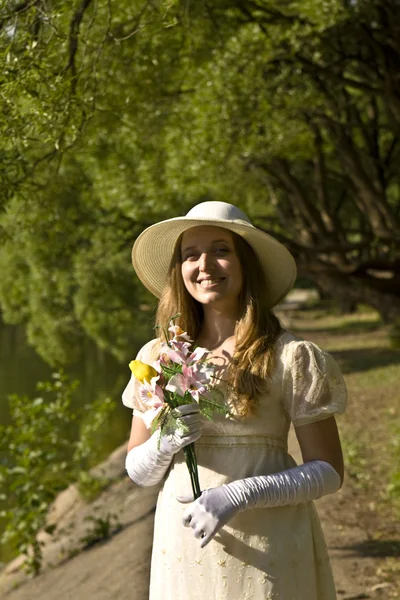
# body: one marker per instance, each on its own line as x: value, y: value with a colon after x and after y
x: 256, y: 331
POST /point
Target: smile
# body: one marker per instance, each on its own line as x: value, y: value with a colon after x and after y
x: 206, y: 283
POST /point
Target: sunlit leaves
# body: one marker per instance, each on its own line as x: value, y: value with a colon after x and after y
x: 155, y: 106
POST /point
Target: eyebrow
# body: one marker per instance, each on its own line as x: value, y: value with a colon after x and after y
x: 213, y: 242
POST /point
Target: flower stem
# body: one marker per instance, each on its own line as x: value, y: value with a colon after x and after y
x: 191, y: 462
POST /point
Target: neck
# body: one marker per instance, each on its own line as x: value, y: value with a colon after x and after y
x: 217, y: 327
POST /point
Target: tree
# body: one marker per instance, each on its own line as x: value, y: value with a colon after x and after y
x: 286, y: 107
x: 115, y: 117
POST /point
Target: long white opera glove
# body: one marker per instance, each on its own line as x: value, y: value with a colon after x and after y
x: 147, y: 464
x: 217, y: 506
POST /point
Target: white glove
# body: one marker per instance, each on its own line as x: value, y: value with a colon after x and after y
x: 217, y: 506
x: 147, y: 464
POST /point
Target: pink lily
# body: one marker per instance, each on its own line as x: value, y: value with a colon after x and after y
x: 196, y: 355
x: 179, y: 333
x: 152, y: 396
x: 182, y: 347
x: 176, y: 356
x: 192, y: 379
x: 179, y: 353
x: 156, y: 364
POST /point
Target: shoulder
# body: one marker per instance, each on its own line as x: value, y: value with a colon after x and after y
x: 291, y: 350
x: 289, y: 345
x: 149, y: 351
x: 313, y: 387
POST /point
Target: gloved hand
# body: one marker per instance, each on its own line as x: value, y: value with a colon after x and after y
x: 147, y: 464
x: 192, y: 423
x: 208, y: 513
x: 217, y: 506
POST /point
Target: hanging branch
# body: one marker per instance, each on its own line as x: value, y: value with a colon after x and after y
x: 73, y: 40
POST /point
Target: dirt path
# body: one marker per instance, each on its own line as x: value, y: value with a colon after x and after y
x: 354, y: 572
x: 119, y: 567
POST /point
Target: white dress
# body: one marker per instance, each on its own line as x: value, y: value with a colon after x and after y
x: 262, y: 553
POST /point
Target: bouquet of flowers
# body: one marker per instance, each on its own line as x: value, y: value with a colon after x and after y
x: 179, y: 376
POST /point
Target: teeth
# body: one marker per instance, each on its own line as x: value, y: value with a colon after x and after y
x: 206, y: 282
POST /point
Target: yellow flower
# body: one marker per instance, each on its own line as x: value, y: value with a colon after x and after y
x: 141, y: 371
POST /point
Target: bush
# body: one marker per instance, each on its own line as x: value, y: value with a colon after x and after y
x: 43, y: 450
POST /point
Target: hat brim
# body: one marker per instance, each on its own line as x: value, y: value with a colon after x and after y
x: 153, y: 250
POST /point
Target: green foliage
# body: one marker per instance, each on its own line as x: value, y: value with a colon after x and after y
x: 42, y: 453
x: 103, y: 528
x: 91, y: 487
x: 116, y: 116
x: 83, y: 285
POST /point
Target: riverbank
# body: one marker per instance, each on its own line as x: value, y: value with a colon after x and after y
x: 118, y: 567
x: 102, y: 549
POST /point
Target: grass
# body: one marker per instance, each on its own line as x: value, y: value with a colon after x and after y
x: 91, y: 487
x: 102, y: 529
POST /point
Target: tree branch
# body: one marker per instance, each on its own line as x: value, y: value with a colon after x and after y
x: 74, y: 38
x: 320, y: 180
x: 17, y: 10
x: 281, y: 170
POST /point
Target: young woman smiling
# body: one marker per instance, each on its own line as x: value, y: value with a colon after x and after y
x: 254, y: 532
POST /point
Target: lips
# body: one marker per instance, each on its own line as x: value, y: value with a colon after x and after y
x: 210, y: 282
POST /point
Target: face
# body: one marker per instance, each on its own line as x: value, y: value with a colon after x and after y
x: 211, y: 269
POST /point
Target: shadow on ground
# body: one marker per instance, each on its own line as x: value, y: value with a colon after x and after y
x: 375, y: 548
x: 342, y: 329
x: 358, y: 360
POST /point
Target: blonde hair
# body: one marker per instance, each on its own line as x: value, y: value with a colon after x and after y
x: 256, y: 330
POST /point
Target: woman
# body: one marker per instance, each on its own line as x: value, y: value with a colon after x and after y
x: 254, y: 532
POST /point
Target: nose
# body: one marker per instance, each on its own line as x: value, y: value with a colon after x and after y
x: 205, y: 261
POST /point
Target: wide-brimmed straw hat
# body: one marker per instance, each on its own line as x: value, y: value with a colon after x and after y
x: 153, y: 250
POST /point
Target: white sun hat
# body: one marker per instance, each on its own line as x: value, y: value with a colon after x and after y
x: 153, y: 250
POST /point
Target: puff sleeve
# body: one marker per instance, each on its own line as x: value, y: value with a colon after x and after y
x: 313, y: 386
x: 130, y: 395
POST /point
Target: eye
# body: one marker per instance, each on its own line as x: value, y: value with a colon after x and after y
x: 221, y: 250
x: 190, y: 256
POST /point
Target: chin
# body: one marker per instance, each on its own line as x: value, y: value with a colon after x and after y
x: 213, y: 298
x: 208, y: 300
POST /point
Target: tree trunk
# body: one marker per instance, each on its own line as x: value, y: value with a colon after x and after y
x: 349, y: 290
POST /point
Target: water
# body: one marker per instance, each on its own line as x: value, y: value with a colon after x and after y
x: 99, y: 374
x: 21, y: 368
